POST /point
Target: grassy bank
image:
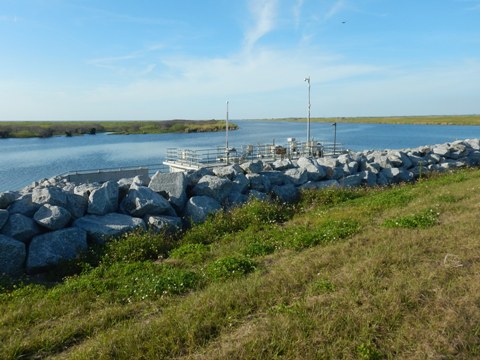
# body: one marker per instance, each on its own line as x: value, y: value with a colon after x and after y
x: 26, y: 129
x: 412, y: 120
x: 346, y: 273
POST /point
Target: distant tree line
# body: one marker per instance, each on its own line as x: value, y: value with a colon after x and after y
x: 48, y: 129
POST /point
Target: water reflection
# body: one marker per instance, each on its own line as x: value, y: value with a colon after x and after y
x: 25, y: 160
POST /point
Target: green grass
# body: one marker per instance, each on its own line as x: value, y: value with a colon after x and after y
x: 407, y: 120
x: 345, y: 273
x: 26, y: 129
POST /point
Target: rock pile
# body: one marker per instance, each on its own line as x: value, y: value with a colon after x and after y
x: 54, y: 220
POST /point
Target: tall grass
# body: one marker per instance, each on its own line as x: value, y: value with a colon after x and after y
x: 333, y: 276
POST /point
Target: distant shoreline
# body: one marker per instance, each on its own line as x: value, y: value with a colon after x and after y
x: 471, y: 120
x: 46, y: 129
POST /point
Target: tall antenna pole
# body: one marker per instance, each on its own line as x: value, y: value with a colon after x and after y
x: 307, y: 79
x: 226, y: 131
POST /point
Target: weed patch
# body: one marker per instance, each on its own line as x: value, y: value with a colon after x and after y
x: 230, y: 266
x: 421, y: 220
x: 127, y: 282
x: 328, y: 232
x: 191, y: 253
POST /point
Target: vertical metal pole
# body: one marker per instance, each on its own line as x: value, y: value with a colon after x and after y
x: 307, y: 79
x: 226, y: 134
x: 226, y: 130
x: 334, y: 137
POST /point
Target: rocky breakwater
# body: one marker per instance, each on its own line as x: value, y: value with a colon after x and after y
x: 54, y: 220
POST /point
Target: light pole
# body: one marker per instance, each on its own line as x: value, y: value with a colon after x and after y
x: 334, y: 137
x: 307, y: 79
x: 226, y: 133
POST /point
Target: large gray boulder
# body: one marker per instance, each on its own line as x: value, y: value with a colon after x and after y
x: 352, y: 181
x: 3, y: 217
x: 76, y: 205
x: 141, y: 201
x: 286, y: 193
x: 85, y: 189
x: 193, y: 177
x: 12, y: 256
x: 168, y: 224
x: 316, y: 185
x: 236, y: 199
x: 241, y: 184
x: 442, y: 150
x: 52, y: 217
x: 297, y: 176
x: 104, y: 200
x: 100, y: 228
x: 259, y: 182
x: 276, y: 177
x: 315, y: 172
x: 52, y: 248
x: 20, y: 227
x: 252, y: 167
x: 283, y: 164
x: 214, y: 187
x: 229, y: 172
x: 368, y: 178
x: 172, y: 186
x: 199, y: 207
x: 24, y: 205
x: 49, y: 195
x: 6, y: 198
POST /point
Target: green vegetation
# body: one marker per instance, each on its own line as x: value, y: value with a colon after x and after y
x: 44, y: 129
x: 344, y: 274
x: 412, y: 120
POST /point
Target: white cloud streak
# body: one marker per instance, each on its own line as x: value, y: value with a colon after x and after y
x: 264, y: 13
x: 337, y: 7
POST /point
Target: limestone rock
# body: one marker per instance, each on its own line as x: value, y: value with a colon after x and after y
x: 6, y: 198
x: 49, y: 195
x: 104, y: 200
x: 351, y: 181
x: 283, y: 164
x: 52, y: 248
x: 252, y: 167
x: 168, y: 224
x: 214, y: 187
x: 100, y: 228
x: 52, y: 217
x: 259, y: 182
x: 286, y: 193
x: 229, y: 172
x: 141, y: 201
x: 297, y: 176
x: 240, y: 184
x: 199, y: 207
x: 315, y: 172
x: 316, y: 185
x: 76, y: 205
x: 20, y: 227
x: 12, y: 256
x: 172, y: 186
x: 3, y: 217
x: 24, y: 205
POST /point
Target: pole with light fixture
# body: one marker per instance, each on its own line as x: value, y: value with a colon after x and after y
x: 307, y: 79
x: 226, y: 134
x: 334, y: 137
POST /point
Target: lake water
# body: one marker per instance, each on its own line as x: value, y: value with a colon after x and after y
x: 23, y: 161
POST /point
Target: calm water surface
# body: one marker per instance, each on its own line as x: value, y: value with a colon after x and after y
x: 23, y: 161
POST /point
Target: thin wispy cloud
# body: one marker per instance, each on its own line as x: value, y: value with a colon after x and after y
x: 297, y: 12
x: 336, y: 8
x: 263, y: 13
x: 9, y: 19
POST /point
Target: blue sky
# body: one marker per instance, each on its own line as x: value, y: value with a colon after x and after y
x: 159, y: 59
